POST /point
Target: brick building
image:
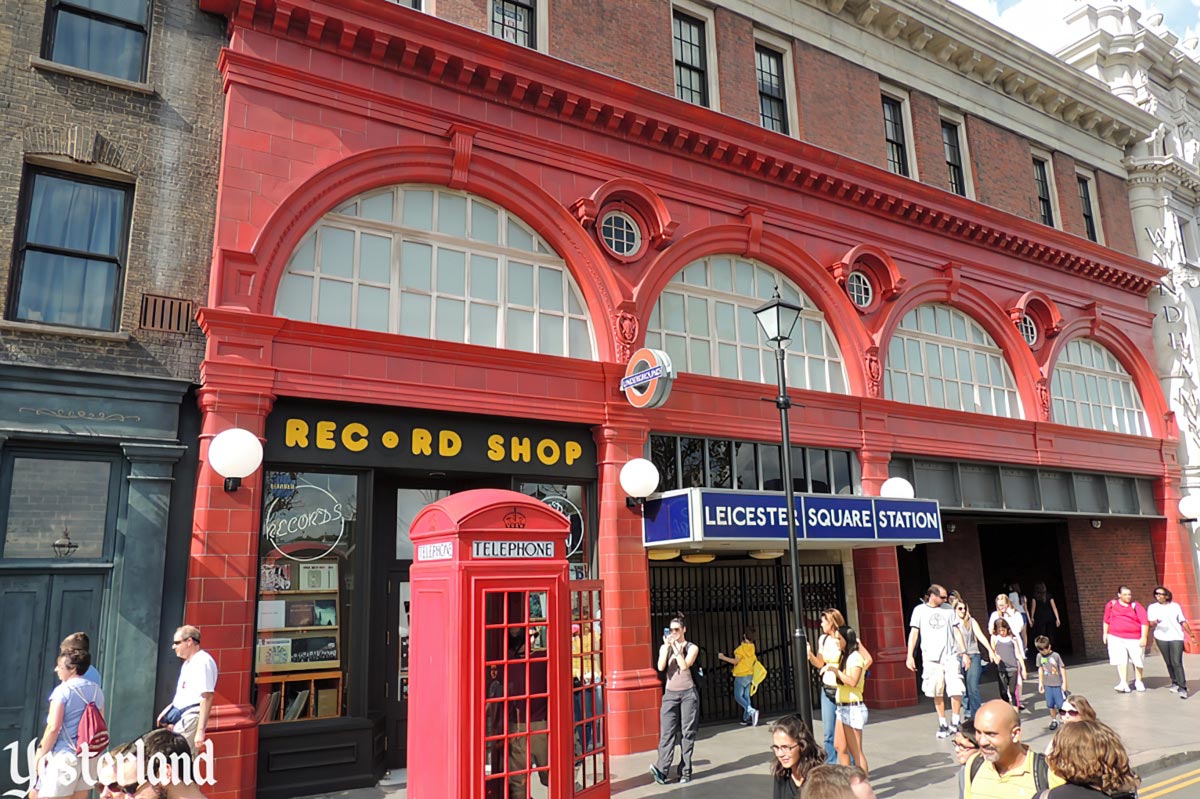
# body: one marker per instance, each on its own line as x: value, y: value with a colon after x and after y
x: 441, y: 233
x: 110, y: 123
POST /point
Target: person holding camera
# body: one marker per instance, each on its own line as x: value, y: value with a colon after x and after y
x: 680, y: 715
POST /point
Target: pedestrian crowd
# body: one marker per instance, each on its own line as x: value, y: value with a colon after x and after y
x: 71, y: 758
x: 1085, y: 758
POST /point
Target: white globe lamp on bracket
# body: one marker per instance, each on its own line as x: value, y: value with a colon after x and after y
x: 897, y: 488
x: 234, y: 454
x: 639, y: 479
x: 1189, y: 508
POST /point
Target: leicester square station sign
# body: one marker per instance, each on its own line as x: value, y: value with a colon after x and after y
x: 754, y: 519
x: 324, y: 434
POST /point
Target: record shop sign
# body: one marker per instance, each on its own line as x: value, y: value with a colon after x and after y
x: 373, y: 437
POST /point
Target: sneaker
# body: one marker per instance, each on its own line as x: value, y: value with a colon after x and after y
x: 754, y: 719
x: 685, y: 779
x: 1174, y: 689
x: 1182, y: 694
x: 744, y: 722
x: 1122, y: 687
x: 1054, y: 725
x: 944, y: 731
x: 658, y: 775
x: 1139, y: 685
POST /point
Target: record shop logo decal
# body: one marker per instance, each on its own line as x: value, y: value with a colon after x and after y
x: 302, y: 518
x: 648, y: 378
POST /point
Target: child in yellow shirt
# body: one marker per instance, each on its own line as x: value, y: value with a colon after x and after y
x: 743, y: 661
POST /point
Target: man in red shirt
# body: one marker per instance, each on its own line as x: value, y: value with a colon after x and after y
x: 1125, y: 630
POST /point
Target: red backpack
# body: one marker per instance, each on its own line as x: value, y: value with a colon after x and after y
x: 92, y: 731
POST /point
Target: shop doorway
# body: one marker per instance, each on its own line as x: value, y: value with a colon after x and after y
x: 1028, y: 553
x: 398, y: 500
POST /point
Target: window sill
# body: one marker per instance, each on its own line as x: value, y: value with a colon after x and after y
x: 42, y: 65
x: 57, y: 330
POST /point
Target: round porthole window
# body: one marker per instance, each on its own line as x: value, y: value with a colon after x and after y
x: 620, y: 233
x: 858, y: 286
x: 1028, y: 329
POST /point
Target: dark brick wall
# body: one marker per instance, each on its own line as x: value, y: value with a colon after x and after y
x: 839, y: 105
x: 168, y: 140
x: 36, y: 517
x: 927, y: 138
x: 1119, y: 553
x: 957, y: 564
x: 1003, y: 167
x: 738, y: 72
x: 468, y: 13
x: 1115, y: 216
x: 596, y: 36
x: 1069, y: 207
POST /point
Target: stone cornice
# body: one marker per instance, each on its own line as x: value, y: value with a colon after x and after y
x: 957, y: 39
x: 465, y: 60
x: 1166, y: 170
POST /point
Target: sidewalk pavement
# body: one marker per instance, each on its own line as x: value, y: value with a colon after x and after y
x: 906, y: 760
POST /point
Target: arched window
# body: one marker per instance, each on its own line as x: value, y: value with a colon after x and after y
x: 942, y: 358
x: 1090, y: 388
x: 429, y: 262
x: 704, y: 320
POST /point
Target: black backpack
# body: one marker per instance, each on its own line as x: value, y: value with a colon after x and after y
x: 1041, y: 771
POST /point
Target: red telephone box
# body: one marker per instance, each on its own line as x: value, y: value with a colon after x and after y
x: 490, y: 703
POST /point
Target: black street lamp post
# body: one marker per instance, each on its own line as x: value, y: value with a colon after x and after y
x: 778, y: 317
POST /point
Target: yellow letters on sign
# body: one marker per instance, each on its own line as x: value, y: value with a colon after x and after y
x: 296, y: 434
x: 354, y: 437
x: 421, y: 441
x: 449, y: 443
x: 325, y: 432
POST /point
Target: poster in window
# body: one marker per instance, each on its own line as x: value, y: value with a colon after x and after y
x: 325, y: 613
x: 274, y: 651
x: 320, y: 649
x: 300, y: 613
x: 275, y: 576
x: 318, y: 576
x: 270, y: 614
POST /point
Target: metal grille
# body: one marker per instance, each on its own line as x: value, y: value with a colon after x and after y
x: 168, y: 314
x: 719, y: 602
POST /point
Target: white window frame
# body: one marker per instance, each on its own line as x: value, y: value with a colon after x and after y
x: 1038, y: 154
x: 781, y: 45
x: 1083, y: 173
x: 957, y: 119
x: 541, y: 22
x: 1187, y: 221
x: 1062, y: 404
x: 705, y: 15
x: 895, y: 92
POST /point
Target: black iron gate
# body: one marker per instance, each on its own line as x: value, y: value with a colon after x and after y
x: 721, y: 601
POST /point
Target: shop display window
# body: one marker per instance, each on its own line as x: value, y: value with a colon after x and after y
x: 571, y: 501
x: 305, y: 585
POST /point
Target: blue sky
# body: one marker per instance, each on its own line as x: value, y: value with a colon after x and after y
x: 1027, y: 18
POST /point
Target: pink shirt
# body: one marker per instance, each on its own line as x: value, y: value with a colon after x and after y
x: 1125, y: 621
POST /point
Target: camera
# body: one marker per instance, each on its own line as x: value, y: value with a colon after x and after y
x: 666, y: 634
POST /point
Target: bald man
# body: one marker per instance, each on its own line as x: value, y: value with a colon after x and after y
x: 1004, y: 768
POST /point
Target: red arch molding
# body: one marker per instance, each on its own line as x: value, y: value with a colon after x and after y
x: 984, y: 310
x: 786, y: 258
x: 389, y: 166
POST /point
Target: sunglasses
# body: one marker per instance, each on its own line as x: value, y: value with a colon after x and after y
x: 1160, y: 593
x: 1071, y: 713
x: 965, y: 745
x: 124, y: 790
x: 676, y: 629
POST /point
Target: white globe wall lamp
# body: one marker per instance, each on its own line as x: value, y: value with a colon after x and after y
x: 1189, y: 508
x: 235, y: 453
x: 639, y: 479
x: 897, y: 488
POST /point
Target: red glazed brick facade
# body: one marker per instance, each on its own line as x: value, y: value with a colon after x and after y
x: 315, y: 118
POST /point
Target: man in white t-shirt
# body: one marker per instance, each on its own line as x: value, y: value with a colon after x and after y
x: 189, y: 711
x: 943, y: 650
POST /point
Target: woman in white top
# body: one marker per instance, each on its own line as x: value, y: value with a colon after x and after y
x: 1167, y: 620
x: 1011, y: 614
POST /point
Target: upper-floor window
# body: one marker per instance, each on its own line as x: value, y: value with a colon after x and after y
x: 105, y: 36
x: 952, y: 145
x: 695, y: 462
x: 434, y: 263
x: 69, y: 256
x: 1043, y: 183
x: 705, y: 321
x: 33, y: 518
x: 943, y: 358
x: 1090, y: 388
x: 515, y: 21
x: 1087, y: 206
x: 895, y: 135
x: 772, y: 90
x: 691, y: 59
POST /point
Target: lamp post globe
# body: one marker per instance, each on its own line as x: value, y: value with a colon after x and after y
x: 639, y: 478
x: 235, y: 453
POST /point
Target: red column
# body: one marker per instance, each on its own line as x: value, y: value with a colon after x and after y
x: 634, y: 692
x: 1173, y: 555
x: 882, y: 617
x: 221, y: 584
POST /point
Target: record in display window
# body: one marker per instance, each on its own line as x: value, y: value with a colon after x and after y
x: 305, y: 582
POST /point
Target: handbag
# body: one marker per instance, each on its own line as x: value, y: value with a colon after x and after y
x: 757, y: 676
x: 174, y: 714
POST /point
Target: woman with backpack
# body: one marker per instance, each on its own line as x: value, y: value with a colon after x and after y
x: 743, y: 661
x: 71, y: 728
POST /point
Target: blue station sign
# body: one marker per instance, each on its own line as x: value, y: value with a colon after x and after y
x: 752, y: 519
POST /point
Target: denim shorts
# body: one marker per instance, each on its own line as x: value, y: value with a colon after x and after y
x: 1054, y: 697
x: 853, y: 716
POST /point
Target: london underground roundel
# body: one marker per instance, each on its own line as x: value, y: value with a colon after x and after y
x: 648, y: 378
